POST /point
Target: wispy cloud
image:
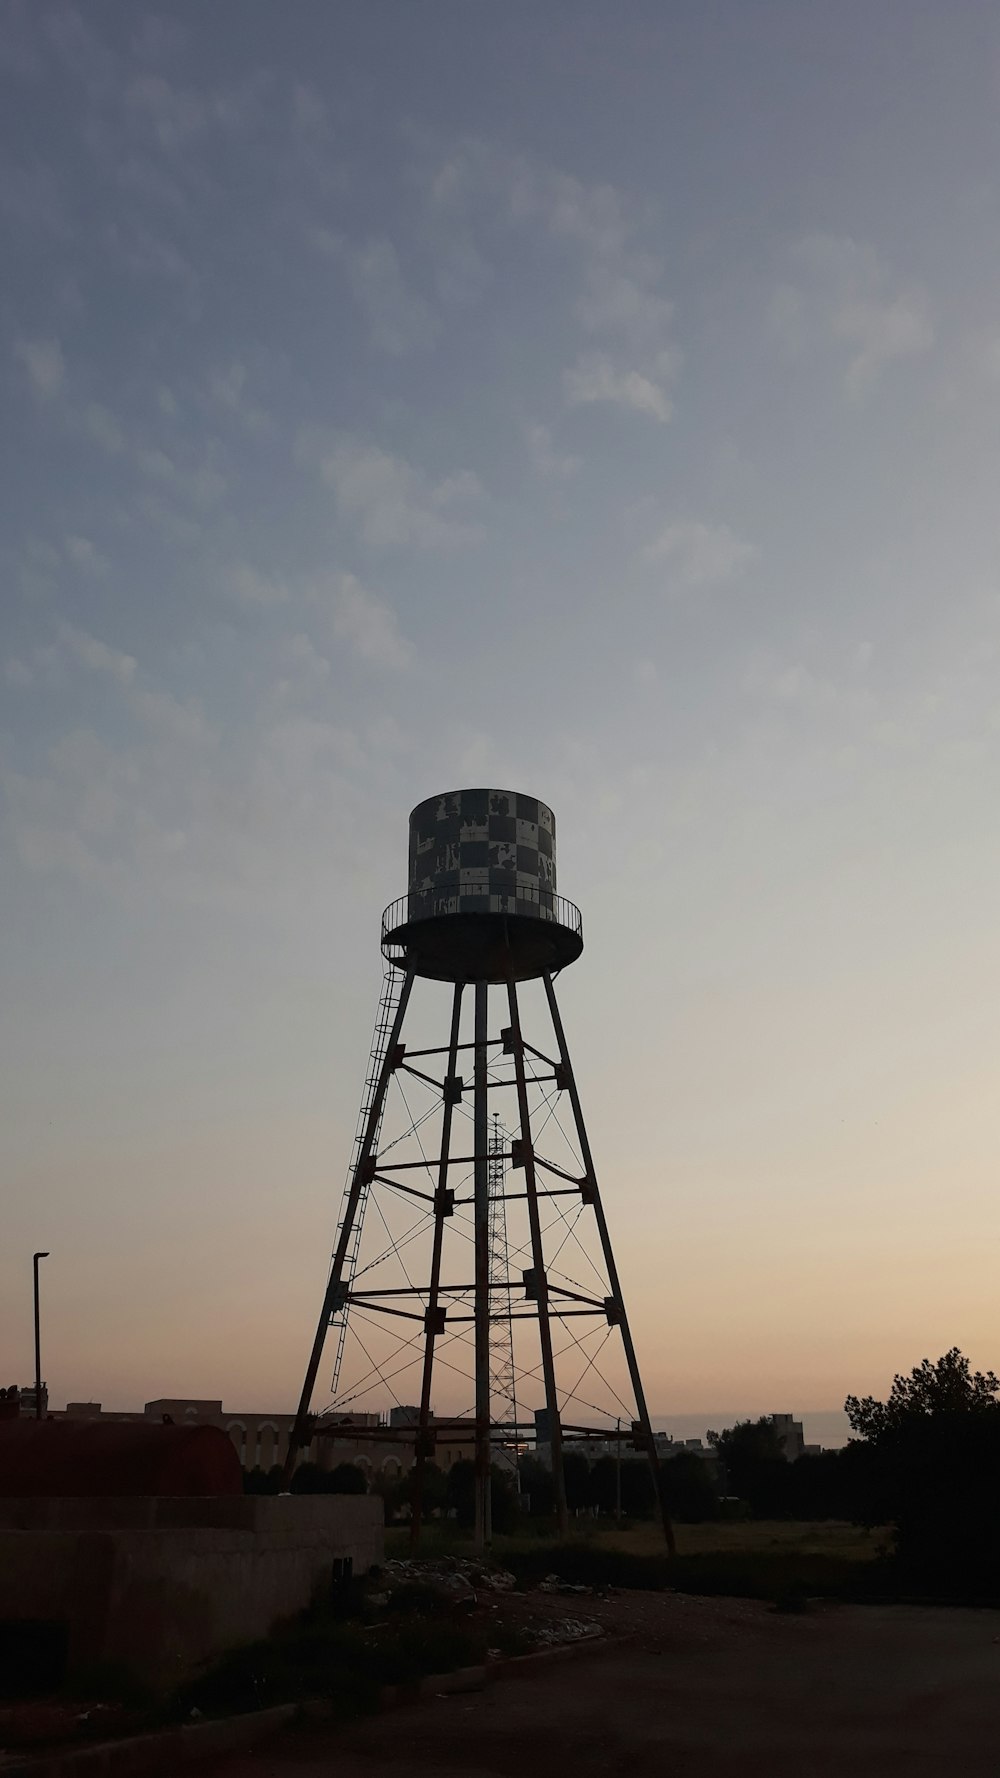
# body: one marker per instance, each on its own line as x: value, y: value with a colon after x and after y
x: 166, y: 715
x: 368, y: 625
x: 699, y: 555
x: 252, y: 588
x: 102, y: 428
x: 393, y: 504
x: 96, y: 655
x: 228, y: 393
x: 620, y: 307
x: 594, y: 378
x: 84, y: 554
x: 44, y: 363
x: 201, y: 481
x: 177, y: 116
x: 843, y: 290
x: 398, y: 319
x: 545, y: 460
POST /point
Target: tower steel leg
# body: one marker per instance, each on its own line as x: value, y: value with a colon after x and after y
x: 350, y: 1209
x: 538, y: 1262
x: 431, y: 1314
x: 482, y: 1271
x: 642, y: 1414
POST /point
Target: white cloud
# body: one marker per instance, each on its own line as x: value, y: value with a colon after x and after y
x: 881, y: 331
x: 393, y: 504
x: 102, y: 428
x: 83, y: 554
x: 17, y: 672
x: 97, y: 655
x: 364, y: 621
x: 166, y: 715
x: 177, y: 116
x: 254, y: 589
x: 700, y: 554
x: 203, y: 483
x: 398, y: 320
x: 595, y: 378
x: 620, y: 307
x: 625, y: 302
x: 227, y: 390
x: 43, y: 361
x: 545, y: 460
x: 845, y: 291
x: 305, y: 668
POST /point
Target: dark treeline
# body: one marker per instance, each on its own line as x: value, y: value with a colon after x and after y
x: 924, y: 1465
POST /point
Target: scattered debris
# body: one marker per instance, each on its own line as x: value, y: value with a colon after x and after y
x: 553, y: 1583
x: 567, y: 1629
x: 458, y: 1578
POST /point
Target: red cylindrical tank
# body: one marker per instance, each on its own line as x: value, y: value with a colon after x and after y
x: 42, y: 1459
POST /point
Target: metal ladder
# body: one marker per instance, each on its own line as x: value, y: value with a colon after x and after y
x: 503, y: 1373
x: 392, y: 985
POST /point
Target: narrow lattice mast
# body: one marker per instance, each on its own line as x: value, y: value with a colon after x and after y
x: 503, y: 1384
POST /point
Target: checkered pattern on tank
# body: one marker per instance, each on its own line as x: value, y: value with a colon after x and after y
x: 482, y: 851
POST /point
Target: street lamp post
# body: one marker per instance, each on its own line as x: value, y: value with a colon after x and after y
x: 38, y: 1339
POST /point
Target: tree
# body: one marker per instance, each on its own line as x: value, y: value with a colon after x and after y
x: 688, y: 1489
x: 344, y: 1478
x: 576, y: 1476
x: 948, y: 1387
x: 262, y: 1481
x: 537, y: 1484
x: 931, y: 1457
x: 752, y: 1460
x: 461, y: 1491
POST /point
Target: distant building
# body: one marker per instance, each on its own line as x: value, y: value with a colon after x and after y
x: 593, y: 1448
x: 261, y: 1439
x: 789, y: 1431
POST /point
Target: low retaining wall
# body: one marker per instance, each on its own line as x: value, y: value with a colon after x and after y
x: 162, y: 1585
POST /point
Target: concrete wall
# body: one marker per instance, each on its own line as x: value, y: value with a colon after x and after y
x: 144, y: 1583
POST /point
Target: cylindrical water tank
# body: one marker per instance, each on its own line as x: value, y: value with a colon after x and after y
x: 469, y: 844
x: 481, y: 902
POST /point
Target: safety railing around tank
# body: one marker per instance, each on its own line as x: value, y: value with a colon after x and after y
x: 532, y: 901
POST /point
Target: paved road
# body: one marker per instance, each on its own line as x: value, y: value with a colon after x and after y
x: 845, y: 1692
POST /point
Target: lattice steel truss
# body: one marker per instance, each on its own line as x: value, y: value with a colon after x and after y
x: 471, y: 1232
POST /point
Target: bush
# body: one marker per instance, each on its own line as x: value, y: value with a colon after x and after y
x: 344, y: 1478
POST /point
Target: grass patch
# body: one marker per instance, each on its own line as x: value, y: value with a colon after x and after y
x: 776, y: 1560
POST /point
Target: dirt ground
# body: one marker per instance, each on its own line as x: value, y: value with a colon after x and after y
x: 683, y: 1685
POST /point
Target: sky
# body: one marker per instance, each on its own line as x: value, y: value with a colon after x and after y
x: 599, y: 401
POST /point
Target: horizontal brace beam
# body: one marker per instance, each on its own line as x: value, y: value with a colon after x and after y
x: 572, y: 1296
x: 554, y: 1315
x: 560, y: 1172
x: 384, y: 1309
x: 397, y: 1185
x: 446, y: 1289
x: 531, y: 1080
x: 442, y: 1049
x: 404, y: 1068
x: 568, y: 1191
x: 459, y: 1160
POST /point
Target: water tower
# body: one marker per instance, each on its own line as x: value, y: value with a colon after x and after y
x: 481, y: 914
